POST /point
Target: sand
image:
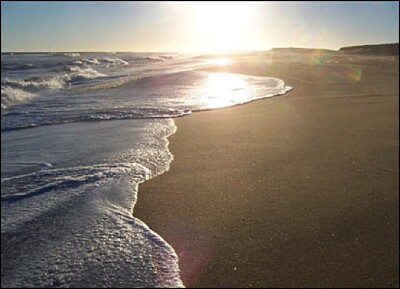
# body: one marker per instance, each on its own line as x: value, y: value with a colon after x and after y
x: 299, y: 190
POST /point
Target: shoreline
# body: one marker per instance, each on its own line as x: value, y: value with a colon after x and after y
x: 255, y: 197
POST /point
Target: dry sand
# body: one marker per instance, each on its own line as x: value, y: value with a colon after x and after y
x: 299, y: 190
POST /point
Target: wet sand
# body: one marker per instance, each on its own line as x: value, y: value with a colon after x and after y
x: 299, y: 190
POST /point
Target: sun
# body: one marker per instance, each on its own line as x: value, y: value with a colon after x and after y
x: 224, y: 25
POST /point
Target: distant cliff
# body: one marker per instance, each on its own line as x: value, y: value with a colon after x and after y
x: 378, y: 49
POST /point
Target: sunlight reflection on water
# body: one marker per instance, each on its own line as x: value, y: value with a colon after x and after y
x: 224, y: 89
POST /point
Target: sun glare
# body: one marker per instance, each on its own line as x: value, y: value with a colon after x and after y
x: 225, y: 25
x: 219, y: 61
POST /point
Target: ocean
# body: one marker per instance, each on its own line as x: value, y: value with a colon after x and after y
x: 79, y: 133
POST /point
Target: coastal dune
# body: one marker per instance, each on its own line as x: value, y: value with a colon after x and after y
x: 299, y: 190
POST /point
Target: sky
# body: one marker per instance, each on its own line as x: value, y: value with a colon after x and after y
x: 147, y: 26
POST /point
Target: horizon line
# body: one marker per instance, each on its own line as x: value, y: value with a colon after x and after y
x: 188, y: 51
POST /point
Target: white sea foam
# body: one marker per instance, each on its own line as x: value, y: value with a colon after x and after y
x: 18, y: 90
x: 11, y: 95
x: 71, y: 54
x: 78, y: 219
x: 114, y: 61
x: 77, y: 73
x: 91, y: 61
x: 35, y: 84
x: 159, y: 57
x: 155, y: 58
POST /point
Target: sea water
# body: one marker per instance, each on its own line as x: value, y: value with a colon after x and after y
x: 79, y: 133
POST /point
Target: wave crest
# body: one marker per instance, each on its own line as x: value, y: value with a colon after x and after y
x: 113, y: 61
x: 18, y: 90
x: 71, y: 54
x: 77, y: 73
x: 11, y: 95
x: 159, y: 58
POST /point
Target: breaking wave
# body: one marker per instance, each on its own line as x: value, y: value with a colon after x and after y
x: 18, y: 90
x: 71, y: 54
x: 107, y: 61
x: 159, y: 58
x: 11, y: 95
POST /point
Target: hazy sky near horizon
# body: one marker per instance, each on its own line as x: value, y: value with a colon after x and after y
x: 194, y: 26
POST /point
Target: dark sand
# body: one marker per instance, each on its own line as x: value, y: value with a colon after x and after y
x: 298, y: 190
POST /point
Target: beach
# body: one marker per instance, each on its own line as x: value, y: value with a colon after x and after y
x: 298, y: 190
